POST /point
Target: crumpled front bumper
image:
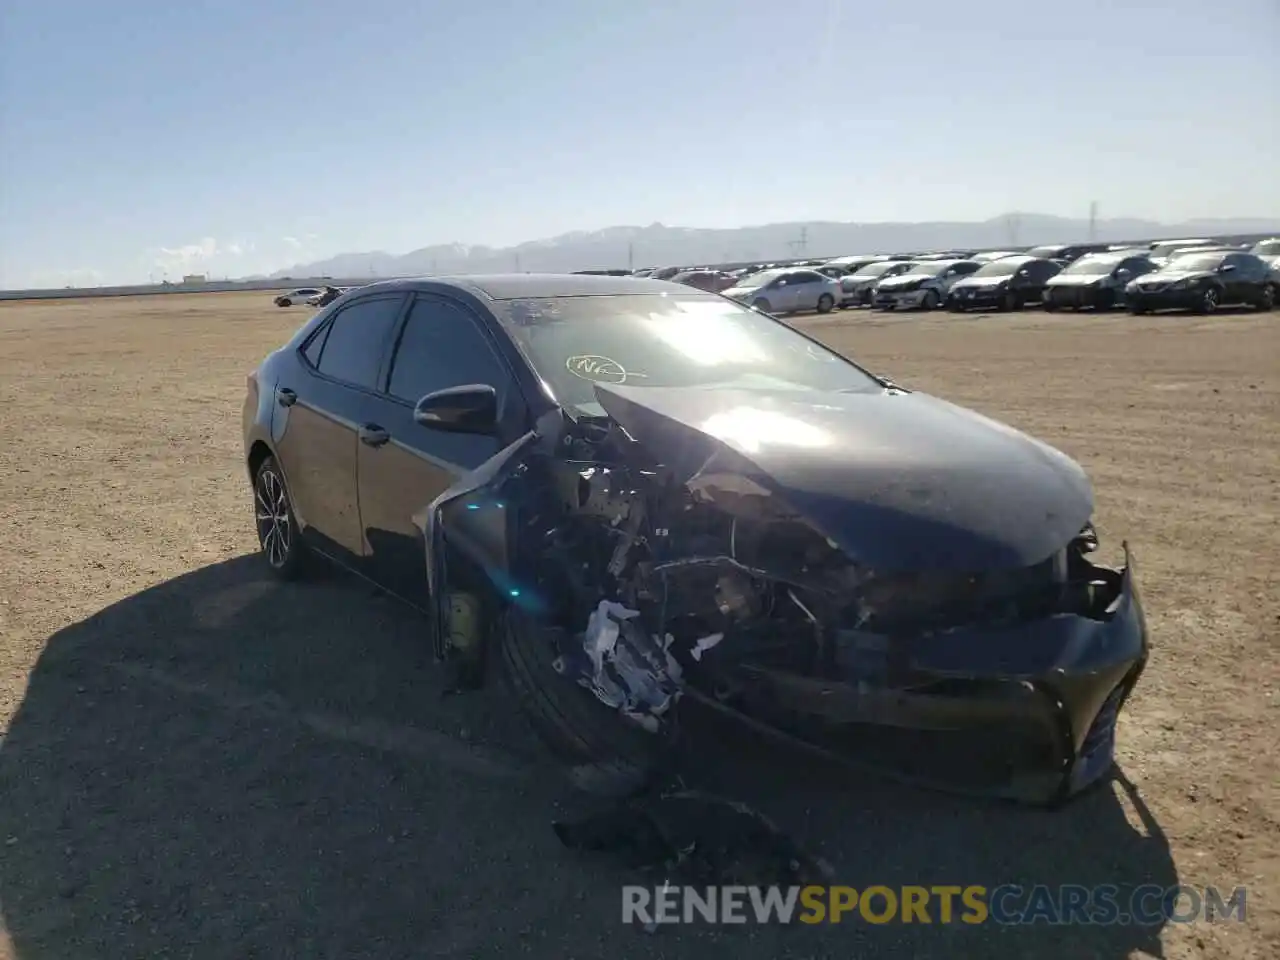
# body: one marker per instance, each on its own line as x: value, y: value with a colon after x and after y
x: 899, y: 300
x: 1025, y: 712
x: 978, y: 296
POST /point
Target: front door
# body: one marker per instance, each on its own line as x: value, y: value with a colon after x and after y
x: 403, y: 466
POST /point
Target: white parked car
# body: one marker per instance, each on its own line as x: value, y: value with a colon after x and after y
x: 301, y: 295
x: 857, y: 288
x: 787, y: 291
x: 316, y: 300
x: 925, y: 286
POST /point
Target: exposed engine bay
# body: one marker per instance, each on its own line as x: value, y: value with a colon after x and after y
x: 653, y: 584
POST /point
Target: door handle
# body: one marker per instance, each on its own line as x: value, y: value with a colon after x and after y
x: 286, y: 397
x: 372, y: 435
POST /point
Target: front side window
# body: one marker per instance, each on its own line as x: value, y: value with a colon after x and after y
x: 441, y: 347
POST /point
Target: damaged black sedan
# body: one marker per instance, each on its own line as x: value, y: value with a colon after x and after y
x: 640, y: 499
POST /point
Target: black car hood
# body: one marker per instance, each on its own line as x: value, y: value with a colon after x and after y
x: 900, y: 481
x: 1172, y: 276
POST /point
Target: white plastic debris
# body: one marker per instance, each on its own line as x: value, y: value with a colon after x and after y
x: 625, y: 673
x: 601, y: 643
x: 704, y: 644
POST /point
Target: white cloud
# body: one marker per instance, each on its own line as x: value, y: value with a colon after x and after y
x: 293, y: 242
x: 207, y: 255
x: 186, y: 258
x: 69, y: 277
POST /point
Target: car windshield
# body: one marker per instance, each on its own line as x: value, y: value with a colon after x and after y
x: 875, y: 269
x: 1001, y: 268
x: 1197, y: 261
x: 668, y: 341
x: 759, y: 279
x: 1164, y: 249
x: 927, y: 268
x: 1093, y: 266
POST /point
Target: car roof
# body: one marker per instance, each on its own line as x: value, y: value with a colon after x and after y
x: 518, y: 286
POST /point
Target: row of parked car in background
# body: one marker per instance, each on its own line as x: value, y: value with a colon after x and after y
x: 1194, y: 274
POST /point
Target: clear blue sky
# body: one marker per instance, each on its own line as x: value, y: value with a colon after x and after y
x: 140, y: 135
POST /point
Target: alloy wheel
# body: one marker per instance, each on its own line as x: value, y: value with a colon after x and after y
x: 271, y: 510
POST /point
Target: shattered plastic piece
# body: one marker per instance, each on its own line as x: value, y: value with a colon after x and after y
x: 624, y: 674
x: 704, y: 644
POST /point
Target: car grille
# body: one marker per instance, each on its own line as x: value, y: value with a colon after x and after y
x: 935, y: 600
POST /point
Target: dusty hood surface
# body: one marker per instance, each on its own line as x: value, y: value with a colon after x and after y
x: 980, y: 283
x: 899, y: 481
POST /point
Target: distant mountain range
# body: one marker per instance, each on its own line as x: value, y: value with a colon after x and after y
x: 659, y: 245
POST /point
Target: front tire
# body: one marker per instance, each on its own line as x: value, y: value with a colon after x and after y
x: 277, y: 527
x: 1010, y: 303
x: 286, y: 302
x: 607, y: 754
x: 930, y: 301
x: 762, y: 305
x: 826, y: 302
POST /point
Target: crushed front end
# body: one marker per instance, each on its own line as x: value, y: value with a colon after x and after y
x: 643, y: 585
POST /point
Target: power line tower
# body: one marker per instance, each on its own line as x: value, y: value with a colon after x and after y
x: 1012, y: 222
x: 798, y: 247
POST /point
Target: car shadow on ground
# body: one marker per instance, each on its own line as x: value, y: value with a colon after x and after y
x: 226, y: 766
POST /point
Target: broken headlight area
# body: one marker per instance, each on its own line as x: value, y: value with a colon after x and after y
x: 649, y: 587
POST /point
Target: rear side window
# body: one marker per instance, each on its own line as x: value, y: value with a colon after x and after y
x: 315, y: 346
x: 441, y: 347
x: 357, y: 339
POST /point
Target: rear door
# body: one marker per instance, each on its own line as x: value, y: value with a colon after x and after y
x: 1247, y: 278
x: 812, y: 286
x: 402, y: 465
x: 320, y: 405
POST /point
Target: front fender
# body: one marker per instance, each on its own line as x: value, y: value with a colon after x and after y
x: 477, y: 520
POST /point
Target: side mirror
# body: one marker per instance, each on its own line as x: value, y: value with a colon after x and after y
x: 472, y: 408
x: 1226, y: 268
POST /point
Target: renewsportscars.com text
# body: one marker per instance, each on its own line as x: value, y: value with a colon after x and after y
x: 1008, y: 904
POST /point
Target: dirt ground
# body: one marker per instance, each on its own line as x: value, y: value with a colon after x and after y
x: 198, y: 762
